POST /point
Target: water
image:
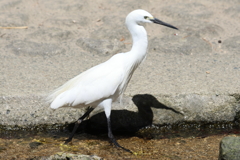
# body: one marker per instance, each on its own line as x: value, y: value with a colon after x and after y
x: 199, y: 140
x: 189, y: 129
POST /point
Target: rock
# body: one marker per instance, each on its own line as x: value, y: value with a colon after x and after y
x: 2, y: 148
x: 125, y: 121
x: 192, y: 109
x: 196, y: 107
x: 164, y: 110
x: 70, y: 156
x: 35, y: 114
x: 230, y: 148
x: 34, y: 145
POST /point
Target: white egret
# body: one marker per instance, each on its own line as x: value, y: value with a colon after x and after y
x: 99, y: 86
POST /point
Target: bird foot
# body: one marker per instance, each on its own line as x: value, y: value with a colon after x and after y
x: 67, y: 141
x: 125, y: 149
x: 118, y: 145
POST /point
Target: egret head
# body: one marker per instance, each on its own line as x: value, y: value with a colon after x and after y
x: 141, y: 16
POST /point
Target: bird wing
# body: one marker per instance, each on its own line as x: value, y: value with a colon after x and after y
x: 93, y: 85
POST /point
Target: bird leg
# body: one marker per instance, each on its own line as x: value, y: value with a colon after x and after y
x: 112, y: 139
x: 77, y: 123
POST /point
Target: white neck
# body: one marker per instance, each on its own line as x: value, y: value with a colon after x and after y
x: 140, y: 41
x: 137, y: 53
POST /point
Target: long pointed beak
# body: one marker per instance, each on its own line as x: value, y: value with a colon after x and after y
x: 157, y: 21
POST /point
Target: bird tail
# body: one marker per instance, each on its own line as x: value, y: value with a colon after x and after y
x: 68, y: 85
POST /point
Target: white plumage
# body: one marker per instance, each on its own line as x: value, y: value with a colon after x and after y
x: 104, y: 83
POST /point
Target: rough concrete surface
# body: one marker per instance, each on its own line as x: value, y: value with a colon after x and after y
x: 194, y: 70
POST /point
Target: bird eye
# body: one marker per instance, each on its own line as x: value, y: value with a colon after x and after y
x: 145, y: 17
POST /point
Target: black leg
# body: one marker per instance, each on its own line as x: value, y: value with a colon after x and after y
x: 77, y: 123
x: 112, y: 139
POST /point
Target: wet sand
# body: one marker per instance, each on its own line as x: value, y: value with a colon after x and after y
x: 192, y: 148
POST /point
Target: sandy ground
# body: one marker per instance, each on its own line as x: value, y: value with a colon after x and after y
x: 64, y: 38
x: 39, y: 59
x: 34, y: 146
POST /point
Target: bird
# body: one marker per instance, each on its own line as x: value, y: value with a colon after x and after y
x: 104, y: 83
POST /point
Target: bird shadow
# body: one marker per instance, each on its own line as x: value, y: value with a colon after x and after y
x: 124, y: 122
